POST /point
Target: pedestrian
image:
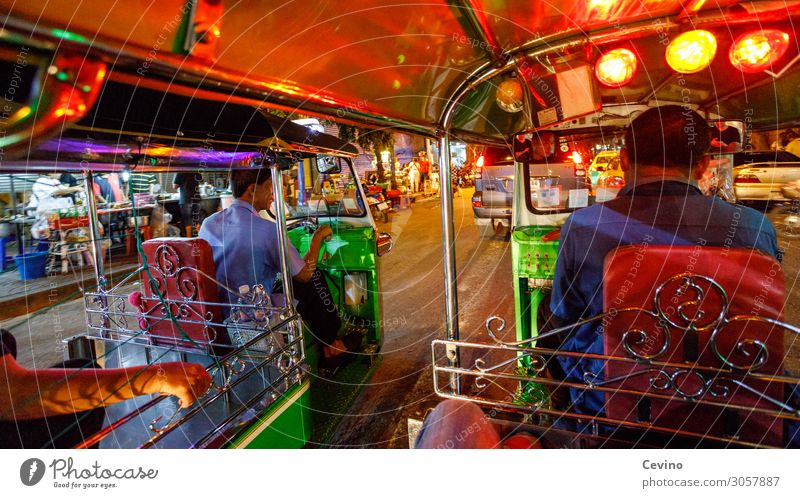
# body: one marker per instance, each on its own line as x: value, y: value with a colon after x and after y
x: 188, y: 184
x: 424, y: 167
x: 413, y: 175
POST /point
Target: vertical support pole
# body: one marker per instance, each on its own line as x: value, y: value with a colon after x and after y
x: 14, y: 206
x: 449, y: 257
x: 283, y: 245
x: 97, y: 250
x: 19, y: 227
x: 301, y: 183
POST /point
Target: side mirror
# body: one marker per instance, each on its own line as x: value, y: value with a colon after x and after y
x: 328, y: 165
x: 385, y: 243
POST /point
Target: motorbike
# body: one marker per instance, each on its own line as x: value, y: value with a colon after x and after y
x: 378, y: 205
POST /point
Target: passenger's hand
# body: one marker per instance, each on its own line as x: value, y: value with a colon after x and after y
x: 186, y: 381
x: 324, y: 232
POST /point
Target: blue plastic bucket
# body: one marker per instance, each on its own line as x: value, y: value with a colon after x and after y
x: 31, y: 265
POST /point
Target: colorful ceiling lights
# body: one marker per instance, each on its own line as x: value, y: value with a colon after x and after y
x: 756, y: 51
x: 616, y: 67
x: 692, y: 51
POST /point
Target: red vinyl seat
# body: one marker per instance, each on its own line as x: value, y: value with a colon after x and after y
x: 183, y: 273
x: 754, y: 285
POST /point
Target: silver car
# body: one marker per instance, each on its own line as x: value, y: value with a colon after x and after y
x: 494, y: 187
x: 759, y: 175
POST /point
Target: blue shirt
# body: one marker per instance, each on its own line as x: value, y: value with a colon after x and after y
x: 245, y: 248
x: 105, y: 189
x: 659, y: 213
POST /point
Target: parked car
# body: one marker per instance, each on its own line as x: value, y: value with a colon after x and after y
x: 494, y: 186
x: 759, y: 175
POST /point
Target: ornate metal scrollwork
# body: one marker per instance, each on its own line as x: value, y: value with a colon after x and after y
x: 228, y: 371
x: 747, y: 348
x: 186, y: 286
x: 167, y: 260
x: 492, y: 333
x: 538, y: 363
x: 632, y: 339
x: 160, y: 430
x: 699, y: 319
x: 158, y: 284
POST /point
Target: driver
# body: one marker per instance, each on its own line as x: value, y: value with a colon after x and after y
x: 246, y: 252
x: 664, y: 156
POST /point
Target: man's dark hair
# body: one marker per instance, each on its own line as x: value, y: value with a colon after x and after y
x: 240, y: 179
x: 670, y: 135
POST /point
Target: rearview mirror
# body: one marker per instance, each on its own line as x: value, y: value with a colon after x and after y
x: 385, y: 243
x: 726, y: 136
x: 328, y: 165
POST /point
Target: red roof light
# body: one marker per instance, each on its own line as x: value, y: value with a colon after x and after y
x: 756, y: 51
x: 616, y: 67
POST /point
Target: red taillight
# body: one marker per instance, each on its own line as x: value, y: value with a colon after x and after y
x: 476, y: 201
x: 576, y: 157
x: 478, y: 167
x: 746, y: 179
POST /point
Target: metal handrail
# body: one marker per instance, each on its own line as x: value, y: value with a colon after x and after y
x: 103, y: 433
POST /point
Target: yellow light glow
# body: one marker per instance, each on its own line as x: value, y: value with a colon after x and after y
x: 692, y: 51
x: 696, y: 5
x: 23, y: 112
x: 754, y: 52
x: 616, y: 67
x: 601, y: 7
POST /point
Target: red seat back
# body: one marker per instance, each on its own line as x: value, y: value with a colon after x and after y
x: 183, y: 271
x: 691, y: 305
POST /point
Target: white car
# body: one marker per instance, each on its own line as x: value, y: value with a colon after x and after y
x: 759, y: 175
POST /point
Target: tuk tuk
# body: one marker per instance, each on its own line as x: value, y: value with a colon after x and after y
x: 482, y: 72
x: 262, y: 361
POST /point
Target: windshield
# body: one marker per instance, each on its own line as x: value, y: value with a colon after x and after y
x: 310, y: 193
x: 563, y: 184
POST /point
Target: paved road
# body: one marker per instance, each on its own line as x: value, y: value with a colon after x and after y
x: 413, y: 299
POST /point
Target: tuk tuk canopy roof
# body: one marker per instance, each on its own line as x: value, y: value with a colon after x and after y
x: 400, y: 64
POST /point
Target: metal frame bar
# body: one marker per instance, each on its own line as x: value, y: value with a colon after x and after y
x: 198, y: 408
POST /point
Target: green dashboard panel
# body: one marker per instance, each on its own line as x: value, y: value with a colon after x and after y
x: 531, y: 256
x: 351, y: 248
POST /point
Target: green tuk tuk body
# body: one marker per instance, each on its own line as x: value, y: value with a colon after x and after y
x: 533, y: 260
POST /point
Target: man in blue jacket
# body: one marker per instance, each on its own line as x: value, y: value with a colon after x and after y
x: 664, y: 156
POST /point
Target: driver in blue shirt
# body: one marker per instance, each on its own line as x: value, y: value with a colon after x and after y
x: 246, y: 252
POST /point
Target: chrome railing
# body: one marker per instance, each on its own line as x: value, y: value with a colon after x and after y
x: 646, y: 366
